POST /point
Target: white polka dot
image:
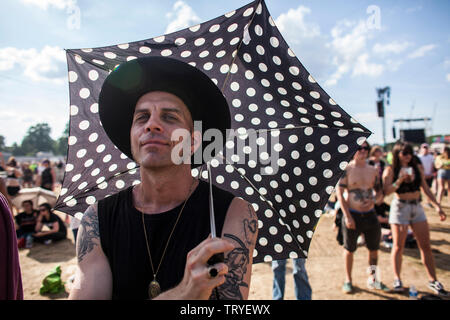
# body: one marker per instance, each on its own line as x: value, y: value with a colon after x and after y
x: 93, y: 75
x: 166, y: 52
x: 273, y: 230
x: 75, y: 178
x: 295, y: 154
x: 69, y: 167
x: 199, y: 42
x: 214, y: 28
x: 73, y: 76
x: 100, y: 148
x: 274, y: 42
x: 72, y: 140
x: 232, y: 27
x: 326, y: 156
x: 195, y: 28
x: 343, y: 148
x: 310, y: 164
x: 82, y: 185
x: 303, y: 204
x: 294, y: 70
x: 185, y: 54
x: 279, y: 76
x: 110, y: 55
x: 308, y: 131
x: 361, y: 140
x: 84, y: 125
x: 221, y: 53
x: 218, y: 42
x: 248, y: 12
x: 81, y: 153
x: 343, y: 165
x: 278, y: 248
x: 309, y: 147
x: 73, y: 110
x: 112, y: 167
x: 263, y: 241
x: 265, y: 83
x: 297, y: 171
x: 145, y: 50
x: 312, y: 181
x: 327, y: 173
x: 276, y: 60
x: 159, y: 39
x: 262, y: 67
x: 325, y: 139
x: 88, y: 163
x: 224, y: 68
x: 120, y: 184
x: 84, y: 93
x: 234, y: 185
x: 90, y: 200
x: 342, y: 133
x: 260, y: 49
x: 180, y: 41
x: 314, y: 94
x: 123, y: 46
x: 258, y: 30
x: 234, y: 86
x: 251, y: 92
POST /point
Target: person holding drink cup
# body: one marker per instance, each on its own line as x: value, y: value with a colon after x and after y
x: 406, y: 179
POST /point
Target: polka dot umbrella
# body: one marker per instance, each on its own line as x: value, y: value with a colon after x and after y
x: 290, y: 141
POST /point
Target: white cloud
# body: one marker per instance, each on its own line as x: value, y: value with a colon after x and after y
x: 49, y: 64
x: 364, y: 67
x: 448, y: 77
x: 44, y: 4
x: 349, y: 46
x: 182, y: 16
x: 293, y: 23
x: 395, y: 47
x: 422, y: 51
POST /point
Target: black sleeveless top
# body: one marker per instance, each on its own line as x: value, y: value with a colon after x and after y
x: 123, y: 241
x: 47, y: 177
x: 409, y: 186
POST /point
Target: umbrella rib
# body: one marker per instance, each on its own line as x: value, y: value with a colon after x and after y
x: 264, y: 199
x: 238, y: 47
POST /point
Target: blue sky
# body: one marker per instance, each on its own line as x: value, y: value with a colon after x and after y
x: 350, y: 47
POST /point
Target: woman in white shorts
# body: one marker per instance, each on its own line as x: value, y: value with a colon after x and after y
x: 406, y: 179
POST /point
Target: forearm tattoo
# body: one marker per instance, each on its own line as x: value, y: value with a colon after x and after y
x: 237, y: 261
x: 90, y: 231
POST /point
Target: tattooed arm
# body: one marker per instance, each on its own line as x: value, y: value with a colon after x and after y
x: 241, y: 229
x: 93, y: 278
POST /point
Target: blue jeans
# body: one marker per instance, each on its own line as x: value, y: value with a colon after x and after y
x: 302, y: 288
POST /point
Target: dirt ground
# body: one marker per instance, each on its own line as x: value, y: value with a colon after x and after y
x: 325, y: 266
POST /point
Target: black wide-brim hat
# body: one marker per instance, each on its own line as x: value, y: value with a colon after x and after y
x: 131, y: 80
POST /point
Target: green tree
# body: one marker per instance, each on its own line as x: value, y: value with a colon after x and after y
x: 60, y: 145
x: 2, y: 143
x: 37, y: 139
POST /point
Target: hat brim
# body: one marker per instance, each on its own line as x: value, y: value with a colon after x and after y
x: 124, y: 86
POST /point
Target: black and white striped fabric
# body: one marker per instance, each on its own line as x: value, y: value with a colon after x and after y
x: 291, y: 141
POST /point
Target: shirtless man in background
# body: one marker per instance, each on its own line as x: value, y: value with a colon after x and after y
x: 361, y: 185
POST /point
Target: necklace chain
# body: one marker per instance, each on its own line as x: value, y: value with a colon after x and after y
x: 170, y: 236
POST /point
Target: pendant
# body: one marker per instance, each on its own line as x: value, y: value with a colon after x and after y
x: 154, y: 289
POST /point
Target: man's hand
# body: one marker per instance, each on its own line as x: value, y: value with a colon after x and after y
x: 196, y: 283
x: 350, y: 222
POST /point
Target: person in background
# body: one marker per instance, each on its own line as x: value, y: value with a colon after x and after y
x: 362, y: 183
x: 381, y: 207
x: 57, y: 230
x: 13, y: 175
x: 27, y: 178
x: 25, y: 223
x: 442, y: 163
x: 47, y: 178
x: 427, y: 160
x: 301, y: 282
x: 405, y: 179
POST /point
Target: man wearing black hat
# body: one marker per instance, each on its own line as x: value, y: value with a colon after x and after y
x: 152, y: 240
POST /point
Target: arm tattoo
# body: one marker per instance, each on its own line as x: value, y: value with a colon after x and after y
x: 250, y: 226
x: 85, y: 244
x: 237, y: 261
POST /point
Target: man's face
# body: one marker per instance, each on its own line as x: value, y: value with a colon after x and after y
x: 27, y: 207
x: 156, y: 116
x: 363, y: 152
x: 424, y: 150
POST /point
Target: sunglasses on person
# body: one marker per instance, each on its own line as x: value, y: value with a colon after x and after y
x: 363, y: 148
x: 406, y: 153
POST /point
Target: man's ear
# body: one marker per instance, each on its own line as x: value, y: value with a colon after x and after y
x: 196, y: 141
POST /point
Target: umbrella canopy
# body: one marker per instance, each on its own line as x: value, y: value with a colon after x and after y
x: 37, y: 195
x: 290, y: 142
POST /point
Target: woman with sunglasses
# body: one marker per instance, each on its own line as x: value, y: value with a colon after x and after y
x: 406, y: 179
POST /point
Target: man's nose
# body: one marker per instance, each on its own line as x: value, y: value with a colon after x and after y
x: 154, y: 124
